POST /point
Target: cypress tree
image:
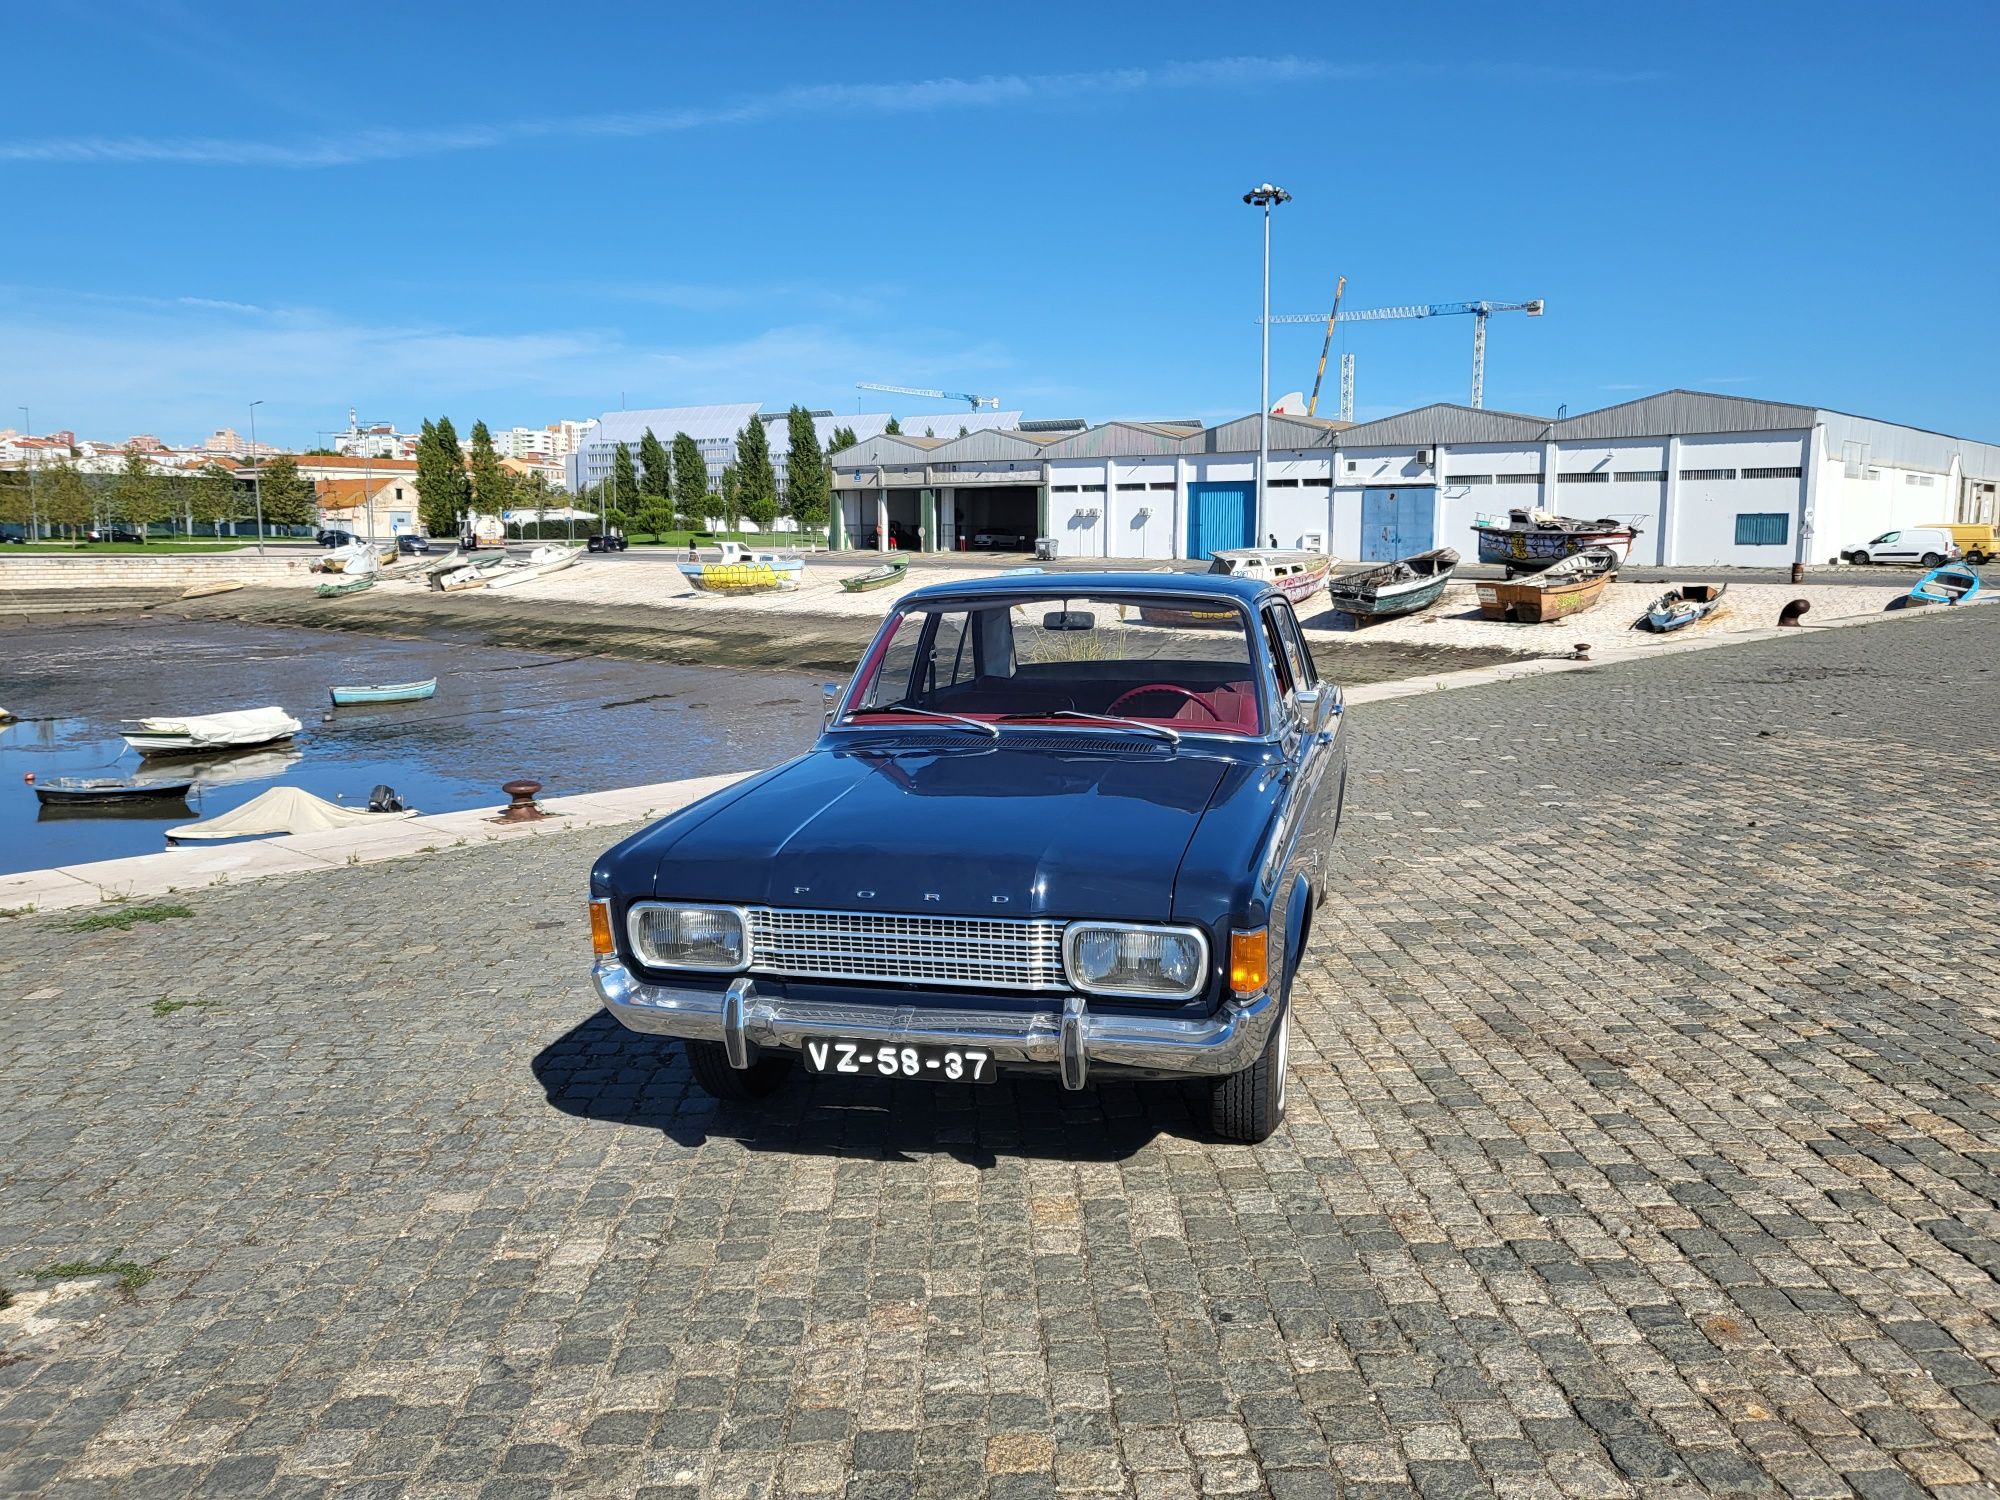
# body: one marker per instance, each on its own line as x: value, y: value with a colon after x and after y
x: 492, y: 486
x: 655, y: 478
x: 894, y: 428
x: 690, y: 483
x: 443, y: 492
x: 806, y: 487
x: 756, y: 480
x: 624, y: 480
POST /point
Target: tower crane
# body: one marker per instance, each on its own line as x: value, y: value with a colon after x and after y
x: 1312, y: 406
x: 992, y: 403
x: 1480, y: 312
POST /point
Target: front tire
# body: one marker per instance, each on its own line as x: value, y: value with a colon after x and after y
x: 1249, y: 1105
x: 1859, y: 559
x: 710, y: 1065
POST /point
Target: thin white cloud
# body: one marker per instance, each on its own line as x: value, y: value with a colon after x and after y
x: 918, y: 96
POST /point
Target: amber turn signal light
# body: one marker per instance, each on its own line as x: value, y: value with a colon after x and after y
x: 600, y: 930
x: 1249, y: 957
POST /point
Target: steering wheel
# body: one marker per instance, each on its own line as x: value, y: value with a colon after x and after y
x: 1163, y: 687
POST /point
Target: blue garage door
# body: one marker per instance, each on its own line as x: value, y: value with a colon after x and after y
x: 1396, y: 523
x: 1219, y: 517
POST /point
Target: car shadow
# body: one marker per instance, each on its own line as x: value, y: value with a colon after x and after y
x: 597, y: 1070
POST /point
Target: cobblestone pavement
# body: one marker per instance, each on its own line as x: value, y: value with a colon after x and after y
x: 1643, y: 1141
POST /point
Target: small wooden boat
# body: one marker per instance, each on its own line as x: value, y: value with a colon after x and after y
x: 1562, y: 589
x: 387, y: 692
x: 1403, y: 587
x: 355, y: 585
x: 538, y: 564
x: 876, y: 578
x: 203, y: 590
x: 100, y: 791
x: 1954, y: 583
x: 238, y: 730
x: 1298, y: 575
x: 1531, y: 539
x: 1683, y: 606
x: 741, y: 571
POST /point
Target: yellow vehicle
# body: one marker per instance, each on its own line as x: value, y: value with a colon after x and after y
x: 1980, y: 544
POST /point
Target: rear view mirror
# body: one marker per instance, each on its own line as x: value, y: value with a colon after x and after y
x: 1069, y: 619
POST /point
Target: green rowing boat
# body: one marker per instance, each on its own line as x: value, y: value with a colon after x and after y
x: 876, y: 578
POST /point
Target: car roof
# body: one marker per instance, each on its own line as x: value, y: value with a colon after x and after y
x: 1041, y: 585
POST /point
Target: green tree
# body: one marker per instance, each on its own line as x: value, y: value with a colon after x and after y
x: 690, y: 483
x: 214, y: 497
x: 843, y: 437
x: 806, y: 480
x: 492, y: 485
x: 14, y: 499
x: 756, y: 480
x: 894, y: 427
x: 288, y: 499
x: 66, y: 497
x: 732, y: 497
x: 654, y: 515
x: 444, y: 491
x: 138, y: 497
x: 656, y: 476
x: 624, y: 479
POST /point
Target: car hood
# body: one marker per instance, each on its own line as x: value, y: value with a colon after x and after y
x: 984, y: 831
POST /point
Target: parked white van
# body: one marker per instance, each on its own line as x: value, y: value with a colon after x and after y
x: 1928, y: 545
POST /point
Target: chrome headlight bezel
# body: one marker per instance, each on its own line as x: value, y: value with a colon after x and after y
x: 649, y: 958
x: 1075, y: 931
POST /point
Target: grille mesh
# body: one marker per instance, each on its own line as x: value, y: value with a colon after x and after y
x: 975, y: 952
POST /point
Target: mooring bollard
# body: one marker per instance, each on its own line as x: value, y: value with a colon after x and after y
x: 1580, y: 652
x: 522, y: 809
x: 1790, y: 614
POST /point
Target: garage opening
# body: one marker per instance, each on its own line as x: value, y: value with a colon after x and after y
x: 904, y: 527
x: 999, y: 518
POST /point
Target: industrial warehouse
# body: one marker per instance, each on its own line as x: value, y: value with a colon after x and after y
x: 1707, y: 480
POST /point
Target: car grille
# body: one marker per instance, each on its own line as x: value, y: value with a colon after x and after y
x: 974, y: 952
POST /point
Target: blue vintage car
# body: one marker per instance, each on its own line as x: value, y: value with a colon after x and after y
x: 1074, y: 824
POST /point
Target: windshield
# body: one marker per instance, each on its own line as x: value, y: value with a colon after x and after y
x: 1185, y: 664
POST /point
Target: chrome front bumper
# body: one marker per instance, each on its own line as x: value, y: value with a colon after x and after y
x: 1069, y: 1039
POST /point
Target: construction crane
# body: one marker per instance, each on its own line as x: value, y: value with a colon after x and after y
x: 1312, y: 406
x: 1480, y: 312
x: 992, y: 403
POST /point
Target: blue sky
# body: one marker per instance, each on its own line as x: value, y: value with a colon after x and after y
x: 521, y: 214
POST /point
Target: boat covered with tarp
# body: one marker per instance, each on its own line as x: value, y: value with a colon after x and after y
x: 239, y: 729
x: 283, y: 809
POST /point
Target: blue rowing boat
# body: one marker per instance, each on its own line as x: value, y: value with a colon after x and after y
x: 1954, y: 583
x: 387, y: 692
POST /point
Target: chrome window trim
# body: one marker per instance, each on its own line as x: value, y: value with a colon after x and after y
x: 741, y: 913
x: 1178, y: 929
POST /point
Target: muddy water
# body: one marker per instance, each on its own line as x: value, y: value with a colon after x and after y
x: 576, y: 724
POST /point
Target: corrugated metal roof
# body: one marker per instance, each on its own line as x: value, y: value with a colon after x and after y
x: 975, y: 446
x: 1287, y: 434
x: 1681, y: 412
x: 945, y: 424
x: 705, y: 424
x: 1116, y: 439
x: 1449, y: 424
x: 885, y: 448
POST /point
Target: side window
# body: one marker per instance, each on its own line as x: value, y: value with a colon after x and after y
x: 1286, y: 664
x: 892, y: 679
x: 1295, y: 647
x: 952, y: 653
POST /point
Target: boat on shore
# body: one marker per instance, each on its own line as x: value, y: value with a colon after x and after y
x: 539, y: 563
x: 358, y: 584
x: 107, y: 791
x: 1682, y: 606
x: 876, y: 578
x: 1564, y: 588
x: 386, y: 692
x: 1298, y: 575
x: 1530, y: 539
x: 241, y: 729
x: 742, y: 571
x: 1954, y: 583
x: 1403, y: 587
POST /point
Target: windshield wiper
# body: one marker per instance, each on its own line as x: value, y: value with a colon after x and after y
x: 937, y: 713
x: 1139, y: 724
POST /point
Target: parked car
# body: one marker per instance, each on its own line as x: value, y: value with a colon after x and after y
x: 408, y: 545
x: 1930, y: 546
x: 1980, y: 544
x: 1074, y: 826
x: 1000, y: 540
x: 607, y: 541
x: 334, y: 536
x: 114, y: 534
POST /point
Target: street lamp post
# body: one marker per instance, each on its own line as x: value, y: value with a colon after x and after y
x: 1263, y: 196
x: 257, y: 477
x: 28, y: 430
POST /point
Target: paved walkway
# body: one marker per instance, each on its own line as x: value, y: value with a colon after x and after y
x: 1644, y: 1141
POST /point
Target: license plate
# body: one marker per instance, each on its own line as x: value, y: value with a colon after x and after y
x: 899, y: 1060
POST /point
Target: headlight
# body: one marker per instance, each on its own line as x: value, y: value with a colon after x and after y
x: 1145, y: 963
x: 689, y: 937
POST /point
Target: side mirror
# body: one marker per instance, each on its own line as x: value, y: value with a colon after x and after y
x: 829, y: 703
x: 1315, y: 705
